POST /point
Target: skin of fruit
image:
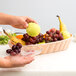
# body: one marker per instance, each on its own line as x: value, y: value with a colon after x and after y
x: 42, y: 42
x: 66, y: 34
x: 33, y: 29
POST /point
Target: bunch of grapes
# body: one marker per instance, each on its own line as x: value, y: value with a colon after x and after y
x: 32, y: 40
x: 53, y: 35
x: 16, y: 49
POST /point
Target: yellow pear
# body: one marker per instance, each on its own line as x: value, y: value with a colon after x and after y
x: 66, y: 34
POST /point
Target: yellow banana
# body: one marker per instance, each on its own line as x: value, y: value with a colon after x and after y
x: 62, y: 25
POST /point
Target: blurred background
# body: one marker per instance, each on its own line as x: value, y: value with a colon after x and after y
x: 43, y: 11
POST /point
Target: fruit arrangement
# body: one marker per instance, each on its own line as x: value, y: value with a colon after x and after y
x: 33, y: 35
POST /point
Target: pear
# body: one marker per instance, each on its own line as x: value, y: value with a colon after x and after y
x: 43, y: 42
x: 63, y: 29
x: 14, y: 39
x: 65, y: 34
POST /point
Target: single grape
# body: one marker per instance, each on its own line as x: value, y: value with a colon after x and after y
x: 57, y: 32
x: 46, y: 35
x: 13, y: 47
x: 19, y: 45
x: 49, y: 38
x: 48, y: 32
x: 8, y: 51
x: 40, y: 39
x: 46, y: 38
x: 28, y: 43
x: 37, y: 41
x: 26, y: 36
x: 31, y: 40
x: 55, y: 35
x: 34, y: 38
x: 51, y: 34
x: 46, y: 41
x: 61, y: 37
x: 55, y: 39
x: 40, y: 35
x: 16, y: 51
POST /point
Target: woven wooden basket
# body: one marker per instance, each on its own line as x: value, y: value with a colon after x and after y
x: 48, y: 47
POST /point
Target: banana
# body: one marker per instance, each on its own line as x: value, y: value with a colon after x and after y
x: 63, y: 29
x: 14, y: 39
x: 62, y: 25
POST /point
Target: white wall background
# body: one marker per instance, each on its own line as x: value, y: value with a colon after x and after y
x: 43, y: 11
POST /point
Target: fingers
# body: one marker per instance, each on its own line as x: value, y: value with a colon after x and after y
x: 28, y: 20
x: 25, y: 25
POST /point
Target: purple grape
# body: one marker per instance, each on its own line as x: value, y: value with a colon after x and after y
x: 61, y: 37
x: 28, y: 43
x: 46, y: 41
x: 55, y: 35
x: 49, y: 38
x: 18, y: 45
x: 40, y: 39
x: 13, y: 47
x: 55, y: 39
x: 34, y: 38
x: 40, y: 35
x: 23, y: 39
x: 16, y: 51
x: 57, y: 31
x: 26, y: 36
x: 46, y: 38
x: 48, y: 32
x: 46, y: 35
x: 51, y: 35
x: 37, y: 41
x: 8, y: 51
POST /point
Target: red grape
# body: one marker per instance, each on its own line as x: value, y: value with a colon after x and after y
x: 37, y: 41
x: 55, y: 35
x: 49, y: 38
x: 57, y: 32
x: 19, y: 45
x: 28, y: 43
x: 40, y: 35
x: 46, y: 35
x: 48, y: 32
x: 40, y: 39
x: 8, y: 51
x: 55, y: 39
x: 34, y: 38
x: 51, y: 34
x: 13, y: 47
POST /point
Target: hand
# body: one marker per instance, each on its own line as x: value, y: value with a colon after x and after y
x: 21, y: 22
x: 15, y: 61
